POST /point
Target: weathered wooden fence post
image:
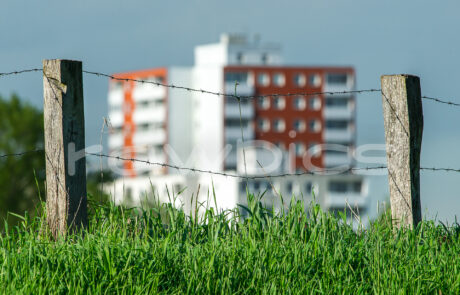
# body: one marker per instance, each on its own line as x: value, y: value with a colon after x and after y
x: 64, y: 146
x: 403, y: 119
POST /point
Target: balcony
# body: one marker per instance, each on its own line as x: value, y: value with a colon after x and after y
x: 116, y: 97
x: 149, y: 114
x: 232, y: 111
x: 116, y: 118
x: 140, y: 93
x: 334, y: 135
x: 115, y: 141
x: 150, y: 137
x: 148, y: 92
x: 242, y: 89
x: 338, y: 113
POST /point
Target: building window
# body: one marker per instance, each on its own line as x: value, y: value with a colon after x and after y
x: 314, y: 103
x: 234, y: 101
x: 263, y: 102
x: 239, y: 57
x: 116, y: 85
x: 256, y: 186
x: 337, y: 78
x: 338, y: 187
x: 240, y: 77
x: 264, y: 58
x: 144, y: 127
x: 314, y: 125
x: 156, y: 79
x: 265, y: 185
x: 115, y: 130
x: 299, y: 103
x: 314, y: 150
x: 299, y: 125
x: 279, y: 102
x: 279, y: 79
x: 263, y: 79
x: 337, y: 102
x: 299, y: 149
x: 332, y: 152
x: 242, y: 186
x: 357, y: 186
x: 289, y: 187
x: 147, y: 82
x: 234, y: 123
x: 337, y: 124
x: 263, y: 125
x: 308, y: 188
x: 279, y: 125
x: 314, y: 80
x: 300, y: 80
x: 178, y: 188
x: 150, y: 104
x: 158, y: 150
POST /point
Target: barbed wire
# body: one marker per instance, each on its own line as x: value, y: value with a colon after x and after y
x: 216, y: 93
x: 442, y: 101
x: 113, y: 77
x: 197, y: 170
x: 311, y: 172
x: 308, y: 172
x: 438, y: 100
x: 435, y: 99
x: 20, y: 72
x: 21, y: 154
x: 259, y: 95
x: 440, y: 169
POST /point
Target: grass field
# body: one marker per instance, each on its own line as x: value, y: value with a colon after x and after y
x: 124, y: 251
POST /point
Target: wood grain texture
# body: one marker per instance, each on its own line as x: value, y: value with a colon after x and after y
x: 403, y: 119
x: 64, y: 127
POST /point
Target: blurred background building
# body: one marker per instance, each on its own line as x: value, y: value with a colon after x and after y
x: 283, y: 133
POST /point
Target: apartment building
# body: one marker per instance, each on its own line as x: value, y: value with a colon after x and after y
x: 309, y: 128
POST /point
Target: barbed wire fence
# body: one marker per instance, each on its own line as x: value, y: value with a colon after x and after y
x: 239, y: 98
x: 222, y: 94
x: 196, y: 170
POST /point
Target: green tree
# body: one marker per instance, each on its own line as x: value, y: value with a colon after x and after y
x: 21, y: 177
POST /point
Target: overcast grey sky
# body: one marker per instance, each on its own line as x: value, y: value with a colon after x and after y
x: 376, y: 37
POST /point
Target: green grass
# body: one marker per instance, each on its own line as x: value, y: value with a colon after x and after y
x: 124, y: 251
